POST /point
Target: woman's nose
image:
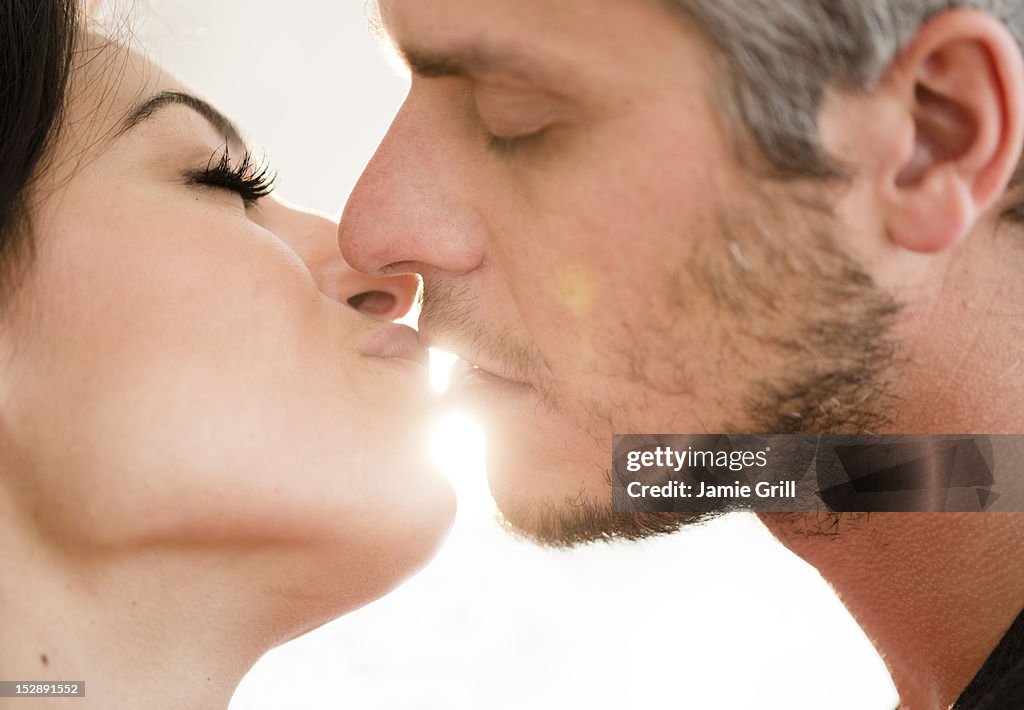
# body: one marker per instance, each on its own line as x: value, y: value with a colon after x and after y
x: 386, y: 297
x: 314, y: 239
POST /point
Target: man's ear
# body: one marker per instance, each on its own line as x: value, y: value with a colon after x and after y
x: 959, y: 87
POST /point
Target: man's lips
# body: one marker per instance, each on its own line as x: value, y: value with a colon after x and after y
x: 471, y: 366
x: 396, y: 341
x: 463, y: 370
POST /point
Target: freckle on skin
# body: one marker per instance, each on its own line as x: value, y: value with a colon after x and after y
x: 44, y: 659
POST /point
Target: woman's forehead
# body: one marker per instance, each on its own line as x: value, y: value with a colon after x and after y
x: 108, y: 78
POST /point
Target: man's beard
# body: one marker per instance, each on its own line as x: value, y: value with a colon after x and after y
x: 806, y: 307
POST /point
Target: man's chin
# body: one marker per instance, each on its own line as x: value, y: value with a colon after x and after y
x: 575, y: 523
x: 547, y: 498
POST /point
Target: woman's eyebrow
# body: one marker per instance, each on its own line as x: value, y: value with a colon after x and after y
x: 146, y: 108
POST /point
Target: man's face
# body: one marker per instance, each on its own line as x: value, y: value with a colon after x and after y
x: 561, y: 177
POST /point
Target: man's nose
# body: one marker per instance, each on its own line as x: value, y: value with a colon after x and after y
x: 314, y: 239
x: 411, y: 211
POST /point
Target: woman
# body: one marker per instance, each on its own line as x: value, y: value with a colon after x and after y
x: 209, y: 430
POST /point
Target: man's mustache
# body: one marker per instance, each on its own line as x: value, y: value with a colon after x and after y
x: 450, y: 320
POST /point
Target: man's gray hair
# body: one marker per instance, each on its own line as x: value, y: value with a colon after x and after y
x: 782, y: 55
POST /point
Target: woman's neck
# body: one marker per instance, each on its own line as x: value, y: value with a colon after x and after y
x: 143, y: 632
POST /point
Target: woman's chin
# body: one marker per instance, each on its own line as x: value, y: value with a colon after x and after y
x: 358, y: 559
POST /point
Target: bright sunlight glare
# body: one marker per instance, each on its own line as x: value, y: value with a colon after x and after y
x: 458, y: 446
x: 440, y: 367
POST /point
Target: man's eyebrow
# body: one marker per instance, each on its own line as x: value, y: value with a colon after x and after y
x: 472, y: 60
x: 146, y: 108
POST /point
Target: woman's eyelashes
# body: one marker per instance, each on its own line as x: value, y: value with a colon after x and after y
x: 250, y: 179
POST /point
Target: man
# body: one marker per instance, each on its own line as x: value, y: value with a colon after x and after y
x: 656, y: 216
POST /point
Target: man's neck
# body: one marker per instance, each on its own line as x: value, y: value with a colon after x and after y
x: 934, y: 591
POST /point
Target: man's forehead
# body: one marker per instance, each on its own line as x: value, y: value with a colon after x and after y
x: 478, y: 43
x: 531, y: 38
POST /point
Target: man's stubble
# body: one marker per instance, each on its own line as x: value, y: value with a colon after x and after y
x: 809, y: 332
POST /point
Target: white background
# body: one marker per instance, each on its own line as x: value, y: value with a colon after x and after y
x: 719, y: 617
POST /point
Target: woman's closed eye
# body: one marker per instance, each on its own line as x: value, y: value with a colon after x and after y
x: 250, y: 179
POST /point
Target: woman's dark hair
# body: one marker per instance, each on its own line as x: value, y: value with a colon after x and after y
x: 37, y: 40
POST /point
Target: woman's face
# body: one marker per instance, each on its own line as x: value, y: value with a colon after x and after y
x: 182, y: 366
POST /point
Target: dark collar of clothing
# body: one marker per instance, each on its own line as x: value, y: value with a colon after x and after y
x: 999, y: 685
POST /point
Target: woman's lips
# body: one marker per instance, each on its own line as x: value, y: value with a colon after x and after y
x: 396, y: 341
